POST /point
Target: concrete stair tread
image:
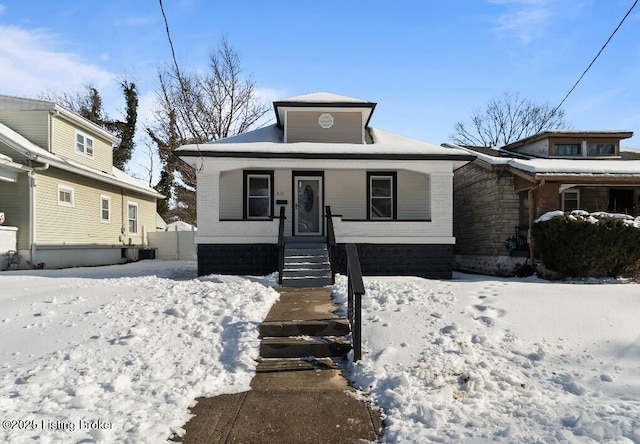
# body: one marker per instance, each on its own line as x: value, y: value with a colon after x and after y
x: 301, y: 346
x: 319, y: 327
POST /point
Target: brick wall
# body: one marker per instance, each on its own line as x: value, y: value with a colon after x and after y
x: 486, y: 210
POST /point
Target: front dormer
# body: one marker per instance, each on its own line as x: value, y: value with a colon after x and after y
x: 324, y: 118
x: 571, y: 144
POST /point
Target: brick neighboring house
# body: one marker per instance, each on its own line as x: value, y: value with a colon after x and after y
x: 498, y: 195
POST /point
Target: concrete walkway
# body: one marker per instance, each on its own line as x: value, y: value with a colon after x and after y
x: 292, y: 400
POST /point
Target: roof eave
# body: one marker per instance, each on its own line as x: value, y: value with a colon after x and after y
x: 280, y: 104
x: 326, y: 156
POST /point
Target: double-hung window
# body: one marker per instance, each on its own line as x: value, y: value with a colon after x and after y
x: 84, y: 144
x: 382, y: 192
x: 259, y: 191
x: 570, y: 200
x: 132, y: 215
x: 65, y: 196
x: 105, y: 209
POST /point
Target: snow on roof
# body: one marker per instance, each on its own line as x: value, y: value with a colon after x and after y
x: 21, y: 144
x: 29, y: 149
x: 619, y: 134
x: 578, y: 166
x: 582, y: 167
x: 322, y: 97
x: 269, y: 140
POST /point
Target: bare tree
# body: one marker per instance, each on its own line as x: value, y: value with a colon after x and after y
x: 507, y: 119
x: 198, y: 108
x: 88, y: 104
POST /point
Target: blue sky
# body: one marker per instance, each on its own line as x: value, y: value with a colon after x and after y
x: 428, y: 64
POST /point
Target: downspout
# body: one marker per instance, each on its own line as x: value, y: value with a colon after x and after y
x: 32, y: 212
x: 531, y: 213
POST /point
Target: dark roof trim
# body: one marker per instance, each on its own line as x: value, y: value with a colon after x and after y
x: 569, y: 134
x: 326, y: 156
x: 277, y: 105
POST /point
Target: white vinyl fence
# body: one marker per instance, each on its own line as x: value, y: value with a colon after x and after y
x: 173, y: 245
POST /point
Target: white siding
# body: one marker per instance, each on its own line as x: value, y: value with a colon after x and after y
x: 231, y: 200
x: 346, y: 193
x: 414, y: 199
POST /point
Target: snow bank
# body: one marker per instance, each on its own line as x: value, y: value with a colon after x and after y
x: 482, y: 359
x: 590, y: 217
x: 120, y: 359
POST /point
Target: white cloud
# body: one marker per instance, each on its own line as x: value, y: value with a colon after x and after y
x: 32, y: 65
x: 525, y: 19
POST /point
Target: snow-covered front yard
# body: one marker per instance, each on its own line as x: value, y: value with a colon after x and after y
x: 481, y: 359
x: 119, y: 353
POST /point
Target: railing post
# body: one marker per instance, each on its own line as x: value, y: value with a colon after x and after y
x: 355, y: 291
x: 331, y: 242
x: 281, y: 245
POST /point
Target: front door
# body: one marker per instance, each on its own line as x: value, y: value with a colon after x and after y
x: 620, y: 201
x: 308, y: 205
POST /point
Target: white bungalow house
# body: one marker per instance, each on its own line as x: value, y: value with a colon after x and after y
x: 390, y: 195
x: 64, y: 202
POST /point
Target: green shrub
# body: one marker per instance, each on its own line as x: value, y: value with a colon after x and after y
x: 583, y: 245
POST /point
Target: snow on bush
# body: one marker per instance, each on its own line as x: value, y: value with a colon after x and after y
x: 582, y: 244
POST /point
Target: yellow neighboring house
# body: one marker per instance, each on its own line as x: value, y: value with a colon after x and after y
x: 59, y: 188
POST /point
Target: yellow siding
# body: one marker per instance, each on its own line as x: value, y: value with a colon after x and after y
x: 64, y: 145
x: 31, y: 124
x: 81, y: 224
x: 14, y: 202
x: 302, y: 126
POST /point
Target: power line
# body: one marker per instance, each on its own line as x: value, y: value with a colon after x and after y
x: 597, y: 55
x: 173, y: 53
x: 183, y: 87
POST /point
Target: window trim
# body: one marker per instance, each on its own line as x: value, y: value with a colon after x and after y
x: 129, y: 205
x: 577, y: 192
x: 247, y: 174
x: 84, y: 151
x: 104, y: 198
x: 71, y: 191
x: 393, y: 175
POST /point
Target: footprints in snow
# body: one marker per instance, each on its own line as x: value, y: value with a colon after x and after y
x: 483, y: 312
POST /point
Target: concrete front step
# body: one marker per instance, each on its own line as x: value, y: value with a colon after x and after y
x: 305, y: 281
x: 320, y: 327
x: 307, y: 266
x: 307, y: 272
x: 297, y: 347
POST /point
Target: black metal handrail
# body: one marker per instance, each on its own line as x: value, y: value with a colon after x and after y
x: 281, y: 245
x: 331, y: 242
x: 355, y: 291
